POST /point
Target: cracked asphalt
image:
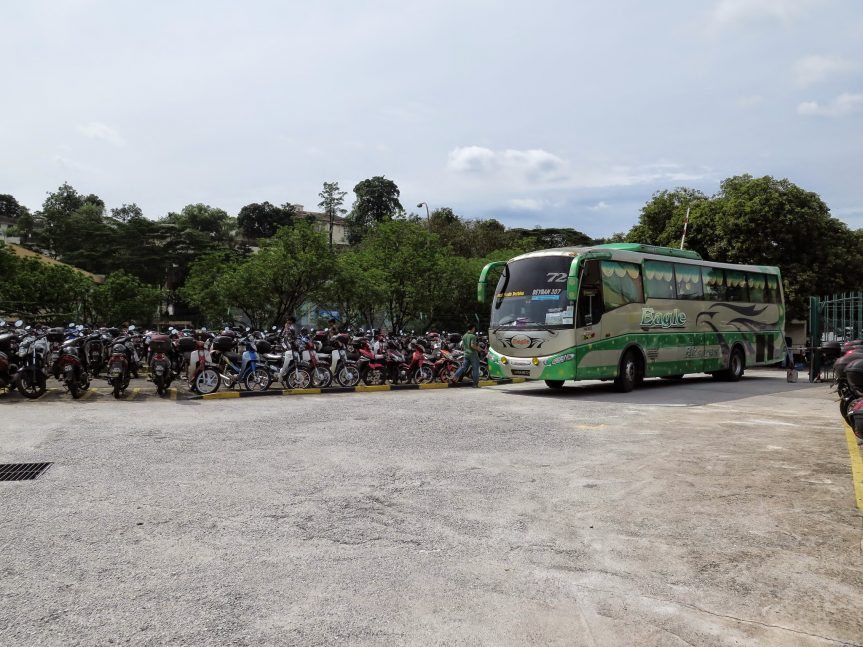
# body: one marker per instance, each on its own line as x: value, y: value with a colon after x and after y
x: 695, y: 513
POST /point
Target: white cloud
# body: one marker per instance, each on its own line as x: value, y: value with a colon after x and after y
x: 533, y: 166
x: 73, y: 165
x: 842, y: 106
x: 816, y: 68
x: 537, y: 168
x: 526, y: 204
x: 599, y: 206
x: 732, y: 12
x: 104, y: 132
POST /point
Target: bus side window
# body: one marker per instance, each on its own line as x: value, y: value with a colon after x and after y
x: 755, y: 282
x: 621, y: 284
x: 688, y: 281
x: 714, y: 283
x: 659, y: 280
x: 736, y: 285
x: 771, y: 289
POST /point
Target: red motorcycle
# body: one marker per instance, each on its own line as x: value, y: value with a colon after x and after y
x: 371, y: 367
x: 118, y: 367
x: 420, y: 370
x: 445, y: 365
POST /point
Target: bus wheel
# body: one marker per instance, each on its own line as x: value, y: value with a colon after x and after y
x: 554, y: 384
x: 736, y: 365
x: 630, y: 373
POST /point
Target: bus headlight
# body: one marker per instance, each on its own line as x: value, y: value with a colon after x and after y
x: 535, y: 361
x: 503, y: 359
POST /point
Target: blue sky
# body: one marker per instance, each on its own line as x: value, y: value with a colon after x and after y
x: 542, y: 113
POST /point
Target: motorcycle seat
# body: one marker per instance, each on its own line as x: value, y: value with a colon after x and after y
x: 235, y: 358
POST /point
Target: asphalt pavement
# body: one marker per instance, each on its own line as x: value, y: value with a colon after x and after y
x: 692, y: 513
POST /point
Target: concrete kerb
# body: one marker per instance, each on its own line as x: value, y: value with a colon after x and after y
x: 225, y: 395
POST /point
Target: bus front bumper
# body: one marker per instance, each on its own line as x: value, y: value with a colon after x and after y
x: 560, y: 366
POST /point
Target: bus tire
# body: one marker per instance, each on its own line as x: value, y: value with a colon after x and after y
x: 630, y: 374
x: 736, y: 366
x: 554, y: 384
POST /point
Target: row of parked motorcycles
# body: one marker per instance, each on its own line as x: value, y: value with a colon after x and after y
x: 233, y: 358
x: 847, y: 361
x: 73, y: 356
x: 254, y: 360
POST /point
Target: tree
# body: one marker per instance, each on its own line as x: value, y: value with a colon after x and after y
x: 377, y: 200
x: 661, y: 219
x: 262, y: 220
x: 9, y: 206
x: 52, y: 224
x: 124, y: 299
x: 126, y: 213
x: 332, y: 199
x: 291, y: 267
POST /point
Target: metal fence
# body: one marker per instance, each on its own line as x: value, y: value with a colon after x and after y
x: 835, y: 318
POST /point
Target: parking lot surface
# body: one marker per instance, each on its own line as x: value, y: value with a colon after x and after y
x: 692, y: 513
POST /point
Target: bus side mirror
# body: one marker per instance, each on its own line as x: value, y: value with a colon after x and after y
x: 572, y: 280
x: 483, y: 277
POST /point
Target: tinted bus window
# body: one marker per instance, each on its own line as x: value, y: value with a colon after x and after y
x: 771, y: 288
x: 735, y: 286
x: 621, y: 284
x: 755, y: 283
x: 714, y: 283
x: 688, y: 278
x: 659, y: 280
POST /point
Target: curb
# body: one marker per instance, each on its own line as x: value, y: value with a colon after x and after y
x: 856, y: 466
x: 229, y: 395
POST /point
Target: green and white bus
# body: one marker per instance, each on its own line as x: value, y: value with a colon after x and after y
x: 626, y: 311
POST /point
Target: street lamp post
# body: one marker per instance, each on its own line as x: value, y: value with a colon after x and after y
x: 428, y: 216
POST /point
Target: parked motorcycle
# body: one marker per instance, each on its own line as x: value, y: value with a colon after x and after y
x: 120, y: 366
x: 32, y: 374
x: 161, y: 371
x: 71, y: 368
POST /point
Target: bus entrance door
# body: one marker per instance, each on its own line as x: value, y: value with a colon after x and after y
x: 588, y: 320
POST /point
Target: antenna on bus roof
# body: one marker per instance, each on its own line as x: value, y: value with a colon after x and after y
x: 685, y: 225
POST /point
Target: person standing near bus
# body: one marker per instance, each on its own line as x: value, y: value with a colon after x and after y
x: 471, y: 356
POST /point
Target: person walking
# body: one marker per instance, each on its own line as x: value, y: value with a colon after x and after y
x: 471, y: 356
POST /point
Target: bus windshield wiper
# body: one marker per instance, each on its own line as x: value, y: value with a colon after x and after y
x: 539, y: 325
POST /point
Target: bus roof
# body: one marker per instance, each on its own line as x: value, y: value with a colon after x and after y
x: 634, y: 252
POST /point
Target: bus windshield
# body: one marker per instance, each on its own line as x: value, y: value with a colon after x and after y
x: 532, y: 292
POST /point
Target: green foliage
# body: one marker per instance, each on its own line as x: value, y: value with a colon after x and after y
x: 263, y: 220
x: 123, y: 299
x: 377, y: 200
x: 332, y: 199
x: 9, y: 206
x: 266, y: 287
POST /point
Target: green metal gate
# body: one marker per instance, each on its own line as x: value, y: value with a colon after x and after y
x: 835, y: 318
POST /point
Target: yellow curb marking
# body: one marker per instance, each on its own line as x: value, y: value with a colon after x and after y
x: 135, y: 392
x: 86, y: 395
x: 300, y: 391
x: 377, y: 387
x: 221, y: 395
x: 434, y: 385
x: 173, y: 393
x: 856, y: 465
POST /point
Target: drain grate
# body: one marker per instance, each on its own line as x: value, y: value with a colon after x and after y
x: 22, y: 471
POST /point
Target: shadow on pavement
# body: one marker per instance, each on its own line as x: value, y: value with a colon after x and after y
x: 692, y: 390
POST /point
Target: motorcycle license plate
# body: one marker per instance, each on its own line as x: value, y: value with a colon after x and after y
x: 160, y: 370
x: 115, y: 372
x: 520, y: 371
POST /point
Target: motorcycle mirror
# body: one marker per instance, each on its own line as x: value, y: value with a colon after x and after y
x: 80, y: 326
x: 203, y: 329
x: 274, y: 327
x: 131, y: 327
x: 247, y: 329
